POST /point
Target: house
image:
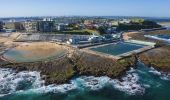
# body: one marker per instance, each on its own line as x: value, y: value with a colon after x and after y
x: 95, y: 39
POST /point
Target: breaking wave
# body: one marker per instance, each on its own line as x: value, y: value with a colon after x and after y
x: 162, y: 75
x: 26, y: 82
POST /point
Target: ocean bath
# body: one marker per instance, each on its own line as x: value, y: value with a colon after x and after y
x: 31, y: 52
x: 118, y: 48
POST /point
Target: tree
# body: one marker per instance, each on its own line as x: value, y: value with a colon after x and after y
x: 102, y: 30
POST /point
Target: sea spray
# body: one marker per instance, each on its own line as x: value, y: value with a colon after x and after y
x: 27, y: 82
x: 162, y: 75
x: 11, y: 82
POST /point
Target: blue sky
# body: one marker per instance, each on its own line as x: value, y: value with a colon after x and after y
x: 150, y: 8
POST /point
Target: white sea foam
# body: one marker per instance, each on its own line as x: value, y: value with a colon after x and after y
x: 10, y: 81
x: 31, y: 82
x: 91, y: 82
x: 154, y: 71
x: 129, y: 84
x: 162, y: 75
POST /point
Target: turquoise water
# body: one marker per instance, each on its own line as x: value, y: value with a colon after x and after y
x: 19, y: 56
x: 117, y: 49
x: 142, y: 83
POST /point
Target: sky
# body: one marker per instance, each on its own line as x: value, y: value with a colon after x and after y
x: 21, y: 8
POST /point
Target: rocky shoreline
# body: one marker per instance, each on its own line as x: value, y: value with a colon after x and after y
x: 158, y: 57
x: 79, y: 63
x: 61, y: 70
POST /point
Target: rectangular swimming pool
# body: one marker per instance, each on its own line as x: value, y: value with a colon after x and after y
x: 117, y: 49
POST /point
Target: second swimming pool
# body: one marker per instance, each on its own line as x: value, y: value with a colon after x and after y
x: 117, y: 49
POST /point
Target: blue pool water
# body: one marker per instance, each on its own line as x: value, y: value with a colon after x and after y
x: 117, y: 49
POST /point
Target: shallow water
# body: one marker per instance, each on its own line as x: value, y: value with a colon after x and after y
x: 21, y: 56
x: 138, y: 84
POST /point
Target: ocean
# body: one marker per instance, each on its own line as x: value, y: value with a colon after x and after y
x: 142, y: 83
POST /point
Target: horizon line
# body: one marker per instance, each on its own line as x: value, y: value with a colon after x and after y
x: 85, y: 16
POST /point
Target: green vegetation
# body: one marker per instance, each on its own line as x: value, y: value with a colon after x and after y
x: 77, y: 32
x: 102, y: 30
x: 134, y: 25
x: 81, y: 32
x: 137, y: 20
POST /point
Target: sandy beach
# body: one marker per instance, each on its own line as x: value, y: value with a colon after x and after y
x: 126, y: 35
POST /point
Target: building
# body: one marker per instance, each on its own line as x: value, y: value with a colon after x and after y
x: 9, y: 25
x: 60, y: 27
x: 46, y: 26
x: 125, y: 21
x: 95, y: 39
x: 88, y: 22
x: 19, y: 26
x: 1, y: 25
x: 14, y: 25
x: 31, y: 26
x: 114, y: 23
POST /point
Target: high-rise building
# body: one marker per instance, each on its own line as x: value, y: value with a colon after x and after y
x: 45, y: 26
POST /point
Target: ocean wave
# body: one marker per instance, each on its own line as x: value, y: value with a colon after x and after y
x: 162, y: 75
x: 129, y: 84
x: 30, y: 82
x: 10, y: 81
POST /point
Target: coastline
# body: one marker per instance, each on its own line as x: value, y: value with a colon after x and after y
x: 61, y: 70
x: 158, y: 57
x: 79, y: 63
